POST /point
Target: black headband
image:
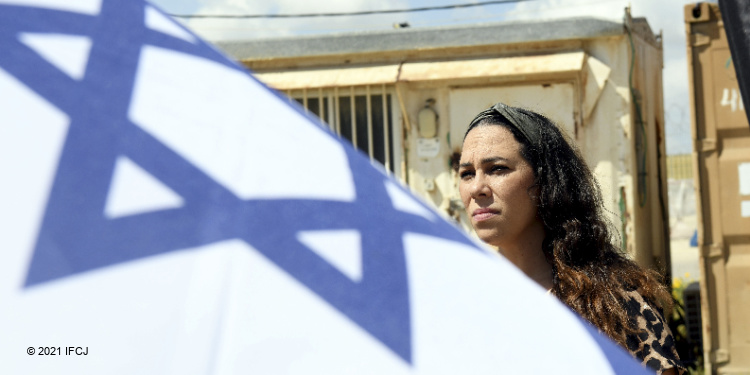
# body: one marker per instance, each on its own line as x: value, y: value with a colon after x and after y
x: 526, y: 125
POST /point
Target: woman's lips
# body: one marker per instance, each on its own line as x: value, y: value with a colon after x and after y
x: 483, y: 214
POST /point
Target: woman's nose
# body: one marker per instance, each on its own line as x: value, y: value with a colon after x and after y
x: 479, y: 187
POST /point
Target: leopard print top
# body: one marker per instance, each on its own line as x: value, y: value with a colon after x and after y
x: 654, y: 344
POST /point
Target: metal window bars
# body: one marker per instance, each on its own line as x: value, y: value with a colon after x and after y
x: 361, y: 114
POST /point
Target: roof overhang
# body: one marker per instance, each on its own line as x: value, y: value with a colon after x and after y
x: 330, y: 77
x: 526, y: 66
x: 425, y: 39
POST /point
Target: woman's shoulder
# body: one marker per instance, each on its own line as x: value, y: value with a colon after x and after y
x: 653, y: 343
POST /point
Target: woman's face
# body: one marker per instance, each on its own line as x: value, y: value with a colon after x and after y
x: 495, y: 187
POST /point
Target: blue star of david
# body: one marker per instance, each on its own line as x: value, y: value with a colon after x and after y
x: 75, y: 236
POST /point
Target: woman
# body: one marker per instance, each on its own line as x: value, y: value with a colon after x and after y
x: 530, y: 194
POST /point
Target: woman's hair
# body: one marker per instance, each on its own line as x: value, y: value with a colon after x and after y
x: 590, y: 274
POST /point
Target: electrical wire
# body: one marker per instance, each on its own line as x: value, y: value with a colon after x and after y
x: 560, y: 7
x: 361, y: 13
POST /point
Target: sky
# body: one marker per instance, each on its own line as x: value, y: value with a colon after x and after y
x: 663, y: 15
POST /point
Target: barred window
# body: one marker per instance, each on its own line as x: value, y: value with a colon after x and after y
x: 362, y: 115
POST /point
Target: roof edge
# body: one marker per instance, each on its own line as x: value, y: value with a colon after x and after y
x: 423, y: 38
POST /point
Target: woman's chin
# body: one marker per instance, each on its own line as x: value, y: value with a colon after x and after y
x: 491, y: 238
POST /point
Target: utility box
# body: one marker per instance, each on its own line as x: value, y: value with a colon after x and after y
x: 721, y: 152
x: 406, y: 97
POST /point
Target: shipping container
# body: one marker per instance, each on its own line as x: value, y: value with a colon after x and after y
x: 721, y: 154
x: 406, y: 96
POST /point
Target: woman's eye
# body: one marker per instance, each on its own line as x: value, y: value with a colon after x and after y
x: 498, y: 168
x: 465, y: 174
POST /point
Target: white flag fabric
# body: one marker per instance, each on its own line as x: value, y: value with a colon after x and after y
x: 162, y: 212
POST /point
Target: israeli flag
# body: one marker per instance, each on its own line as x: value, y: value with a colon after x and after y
x: 163, y: 212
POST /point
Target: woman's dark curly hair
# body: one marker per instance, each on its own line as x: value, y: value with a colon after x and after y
x: 590, y: 274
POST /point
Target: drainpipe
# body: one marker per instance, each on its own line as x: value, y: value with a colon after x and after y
x: 407, y: 127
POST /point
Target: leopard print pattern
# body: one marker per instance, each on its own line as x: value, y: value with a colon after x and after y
x: 654, y: 344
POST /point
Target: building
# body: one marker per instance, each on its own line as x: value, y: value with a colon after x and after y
x: 406, y: 96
